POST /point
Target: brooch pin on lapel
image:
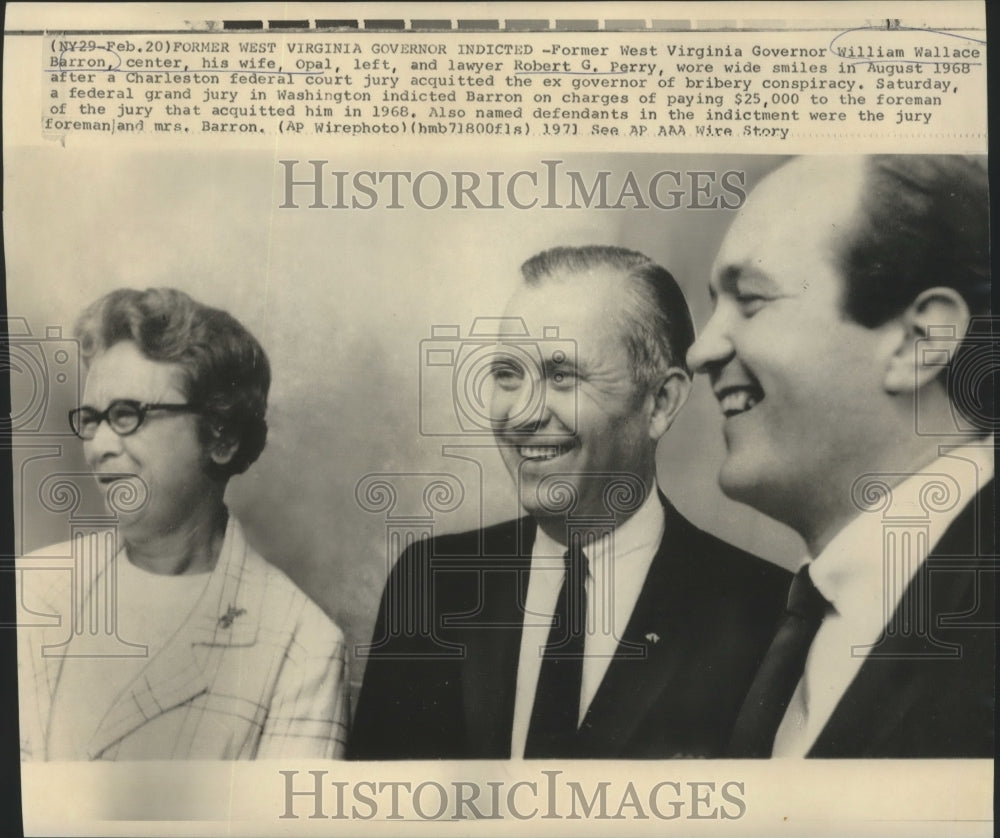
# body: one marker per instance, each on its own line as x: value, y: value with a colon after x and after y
x: 226, y: 620
x: 652, y: 637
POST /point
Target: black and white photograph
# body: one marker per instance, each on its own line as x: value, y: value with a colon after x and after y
x: 437, y: 428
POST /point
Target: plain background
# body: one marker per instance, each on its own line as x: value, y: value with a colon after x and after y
x: 341, y: 301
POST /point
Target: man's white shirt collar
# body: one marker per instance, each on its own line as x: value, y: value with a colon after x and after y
x: 864, y: 580
x: 642, y: 530
x: 617, y: 567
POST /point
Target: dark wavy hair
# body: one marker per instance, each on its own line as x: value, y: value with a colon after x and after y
x: 658, y: 328
x: 924, y: 221
x: 227, y: 374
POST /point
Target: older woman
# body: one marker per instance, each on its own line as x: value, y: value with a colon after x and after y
x: 239, y: 663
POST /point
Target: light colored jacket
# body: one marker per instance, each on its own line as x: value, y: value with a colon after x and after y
x: 257, y: 671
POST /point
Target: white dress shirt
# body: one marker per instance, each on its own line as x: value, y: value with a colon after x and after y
x: 618, y: 564
x: 864, y: 583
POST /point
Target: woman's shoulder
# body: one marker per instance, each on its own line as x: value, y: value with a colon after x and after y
x: 282, y: 599
x: 46, y: 574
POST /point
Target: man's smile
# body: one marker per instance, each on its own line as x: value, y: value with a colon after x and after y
x: 544, y: 452
x: 738, y: 399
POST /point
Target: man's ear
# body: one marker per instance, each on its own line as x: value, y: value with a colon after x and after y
x: 668, y: 399
x: 932, y: 327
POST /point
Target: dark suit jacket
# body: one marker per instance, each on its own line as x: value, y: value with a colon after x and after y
x: 441, y: 675
x: 930, y: 693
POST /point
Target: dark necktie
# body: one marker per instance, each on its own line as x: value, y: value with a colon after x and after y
x: 554, y: 716
x: 779, y: 674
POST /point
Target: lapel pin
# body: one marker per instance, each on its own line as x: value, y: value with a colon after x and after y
x: 653, y: 637
x: 226, y: 620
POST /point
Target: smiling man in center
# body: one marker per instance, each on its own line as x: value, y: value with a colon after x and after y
x: 603, y: 624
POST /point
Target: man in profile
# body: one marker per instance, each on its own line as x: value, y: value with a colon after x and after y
x: 842, y: 294
x: 603, y: 624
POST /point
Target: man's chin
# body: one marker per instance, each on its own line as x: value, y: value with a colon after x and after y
x: 546, y: 500
x: 762, y: 490
x: 740, y: 482
x: 527, y: 495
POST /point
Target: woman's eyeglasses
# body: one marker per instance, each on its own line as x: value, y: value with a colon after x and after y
x: 124, y: 416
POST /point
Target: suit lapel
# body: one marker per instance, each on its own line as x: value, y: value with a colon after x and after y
x: 226, y: 614
x: 874, y: 708
x: 493, y: 641
x: 648, y: 654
